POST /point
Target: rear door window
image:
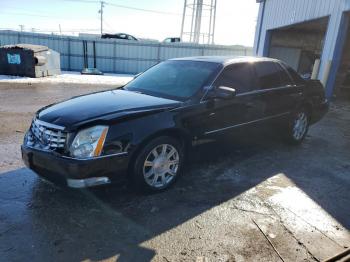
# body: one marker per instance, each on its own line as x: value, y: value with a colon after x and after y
x: 285, y: 78
x: 238, y: 76
x: 268, y: 75
x: 296, y: 77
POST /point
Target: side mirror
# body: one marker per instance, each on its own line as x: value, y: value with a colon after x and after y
x: 223, y: 92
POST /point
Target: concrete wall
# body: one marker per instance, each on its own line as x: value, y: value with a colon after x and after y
x: 275, y: 14
x: 117, y: 56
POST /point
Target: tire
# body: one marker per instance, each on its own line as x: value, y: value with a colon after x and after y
x: 298, y: 126
x: 158, y: 164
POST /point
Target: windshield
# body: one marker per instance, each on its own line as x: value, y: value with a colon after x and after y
x: 177, y: 80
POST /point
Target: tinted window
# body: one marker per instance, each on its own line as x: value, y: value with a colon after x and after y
x: 268, y: 75
x: 238, y: 76
x: 177, y: 80
x: 296, y: 77
x: 285, y: 78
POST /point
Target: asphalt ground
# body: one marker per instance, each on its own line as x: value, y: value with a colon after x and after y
x: 241, y: 198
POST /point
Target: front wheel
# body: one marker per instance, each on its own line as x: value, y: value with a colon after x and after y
x: 158, y: 164
x: 298, y: 126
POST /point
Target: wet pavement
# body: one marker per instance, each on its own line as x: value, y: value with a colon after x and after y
x: 239, y: 199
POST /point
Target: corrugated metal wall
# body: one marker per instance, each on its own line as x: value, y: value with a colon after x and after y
x: 117, y: 56
x: 280, y: 13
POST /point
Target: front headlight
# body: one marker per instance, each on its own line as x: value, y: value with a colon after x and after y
x: 89, y: 142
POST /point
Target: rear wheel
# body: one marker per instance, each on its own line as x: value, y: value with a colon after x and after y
x: 158, y: 164
x: 298, y: 126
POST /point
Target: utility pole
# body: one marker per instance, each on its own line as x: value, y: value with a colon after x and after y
x: 59, y: 26
x: 101, y: 15
x: 21, y: 27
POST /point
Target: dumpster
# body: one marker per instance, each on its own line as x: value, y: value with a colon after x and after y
x: 29, y: 60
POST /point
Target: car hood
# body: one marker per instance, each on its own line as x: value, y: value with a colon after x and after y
x: 105, y: 105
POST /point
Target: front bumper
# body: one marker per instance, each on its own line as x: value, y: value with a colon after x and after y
x: 74, y: 172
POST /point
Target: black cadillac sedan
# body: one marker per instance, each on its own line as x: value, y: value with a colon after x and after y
x: 141, y: 131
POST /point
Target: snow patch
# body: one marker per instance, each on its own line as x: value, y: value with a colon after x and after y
x: 71, y: 77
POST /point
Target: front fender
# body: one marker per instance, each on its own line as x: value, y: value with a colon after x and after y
x: 128, y: 136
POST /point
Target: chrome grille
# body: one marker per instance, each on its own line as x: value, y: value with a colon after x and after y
x: 49, y: 136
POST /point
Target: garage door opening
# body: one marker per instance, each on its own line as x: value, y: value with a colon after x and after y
x: 300, y: 45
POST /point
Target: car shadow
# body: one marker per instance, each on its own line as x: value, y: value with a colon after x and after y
x: 107, y: 222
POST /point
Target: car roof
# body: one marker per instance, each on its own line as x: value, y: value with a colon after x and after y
x: 225, y: 60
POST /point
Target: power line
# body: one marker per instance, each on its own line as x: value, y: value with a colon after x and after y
x: 101, y: 12
x: 83, y: 1
x: 106, y: 24
x: 28, y: 14
x: 125, y: 7
x: 142, y: 9
x: 90, y: 2
x: 77, y: 30
x: 33, y: 15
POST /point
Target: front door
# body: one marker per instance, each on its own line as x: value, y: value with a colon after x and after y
x: 247, y: 106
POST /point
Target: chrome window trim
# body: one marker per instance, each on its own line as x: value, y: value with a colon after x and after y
x: 246, y: 123
x: 260, y: 91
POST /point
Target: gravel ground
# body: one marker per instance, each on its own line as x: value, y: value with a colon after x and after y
x: 19, y: 102
x: 239, y: 199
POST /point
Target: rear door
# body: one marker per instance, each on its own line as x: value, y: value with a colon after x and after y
x: 277, y: 88
x: 292, y: 89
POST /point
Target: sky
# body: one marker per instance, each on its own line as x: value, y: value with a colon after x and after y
x: 235, y: 19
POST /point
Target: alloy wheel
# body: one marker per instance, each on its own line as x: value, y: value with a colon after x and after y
x: 300, y: 126
x: 161, y: 165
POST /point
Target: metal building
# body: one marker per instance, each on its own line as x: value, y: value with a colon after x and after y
x: 313, y: 36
